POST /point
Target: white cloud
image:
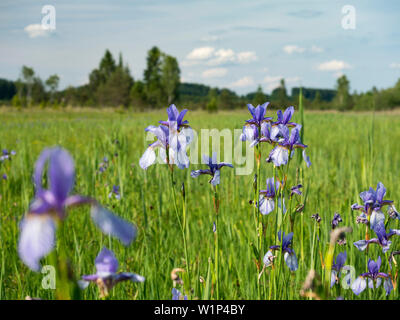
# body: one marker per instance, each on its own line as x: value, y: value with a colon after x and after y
x: 214, y: 73
x: 316, y: 49
x: 292, y: 48
x: 36, y: 30
x: 246, y: 81
x: 333, y: 65
x: 246, y: 56
x: 212, y: 57
x: 202, y: 53
x: 395, y: 65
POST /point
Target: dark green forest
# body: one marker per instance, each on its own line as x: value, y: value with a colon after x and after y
x: 112, y: 85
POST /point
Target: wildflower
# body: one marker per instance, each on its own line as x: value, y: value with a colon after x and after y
x: 374, y: 277
x: 289, y: 254
x: 336, y: 219
x: 6, y: 154
x: 214, y: 170
x: 106, y: 276
x: 284, y: 118
x: 392, y: 212
x: 103, y: 165
x: 176, y: 279
x: 279, y: 155
x: 372, y: 204
x: 296, y: 190
x: 177, y: 295
x: 316, y: 217
x: 4, y: 177
x: 115, y: 192
x: 253, y: 126
x: 267, y: 198
x: 382, y: 238
x: 175, y: 119
x: 37, y: 228
x: 172, y: 147
x: 337, y: 267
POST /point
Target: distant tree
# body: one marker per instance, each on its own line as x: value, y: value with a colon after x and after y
x: 28, y: 76
x: 38, y: 91
x: 212, y: 105
x: 152, y: 77
x: 317, y: 102
x: 259, y: 97
x: 227, y: 99
x: 138, y: 95
x: 282, y: 94
x: 52, y: 85
x: 170, y: 78
x: 343, y: 100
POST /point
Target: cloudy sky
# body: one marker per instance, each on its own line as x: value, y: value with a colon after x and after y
x: 225, y: 43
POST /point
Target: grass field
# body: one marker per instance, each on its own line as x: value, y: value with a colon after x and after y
x: 349, y: 154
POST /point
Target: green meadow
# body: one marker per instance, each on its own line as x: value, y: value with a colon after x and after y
x: 349, y: 153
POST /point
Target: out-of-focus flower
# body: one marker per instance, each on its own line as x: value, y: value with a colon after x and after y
x: 267, y: 198
x: 285, y: 246
x: 214, y: 169
x: 382, y: 238
x: 374, y: 278
x: 4, y: 177
x: 5, y: 154
x: 337, y: 267
x: 336, y: 219
x: 316, y: 217
x: 106, y: 276
x: 115, y: 192
x: 37, y: 228
x: 392, y: 212
x: 177, y: 295
x: 296, y: 190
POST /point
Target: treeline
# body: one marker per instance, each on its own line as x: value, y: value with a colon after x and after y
x: 112, y: 85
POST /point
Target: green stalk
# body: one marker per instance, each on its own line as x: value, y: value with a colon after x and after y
x: 216, y: 243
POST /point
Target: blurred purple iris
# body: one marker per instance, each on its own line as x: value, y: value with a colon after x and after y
x: 289, y: 254
x: 296, y: 190
x: 214, y: 169
x: 336, y: 219
x: 382, y: 238
x: 37, y: 234
x: 5, y: 154
x: 173, y: 138
x: 106, y: 276
x: 374, y: 278
x: 115, y: 192
x: 177, y: 295
x: 337, y: 267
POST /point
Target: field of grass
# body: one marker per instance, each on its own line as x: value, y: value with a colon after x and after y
x: 349, y: 154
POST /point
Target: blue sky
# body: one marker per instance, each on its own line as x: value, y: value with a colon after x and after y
x: 225, y: 43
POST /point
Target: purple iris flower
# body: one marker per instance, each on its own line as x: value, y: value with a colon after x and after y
x: 336, y: 219
x: 175, y: 118
x: 177, y: 295
x: 296, y: 190
x: 106, y: 276
x: 6, y: 154
x: 286, y: 143
x: 4, y: 177
x: 37, y: 234
x: 173, y: 138
x: 253, y: 126
x: 374, y: 277
x: 382, y: 238
x: 267, y: 197
x: 284, y: 118
x: 337, y: 267
x: 392, y: 212
x: 372, y: 200
x: 289, y: 254
x: 115, y: 192
x: 214, y: 170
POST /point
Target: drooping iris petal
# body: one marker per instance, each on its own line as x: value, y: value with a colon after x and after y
x: 61, y: 173
x: 148, y: 158
x: 39, y: 168
x: 106, y: 262
x: 361, y: 244
x: 279, y: 155
x: 377, y: 217
x: 333, y: 277
x: 37, y: 238
x: 267, y: 205
x: 359, y: 285
x: 216, y: 178
x: 291, y: 260
x: 306, y: 158
x: 131, y: 276
x: 113, y: 225
x: 388, y: 285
